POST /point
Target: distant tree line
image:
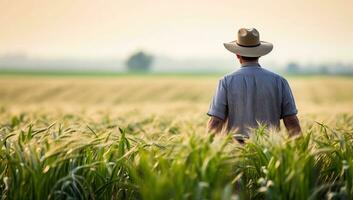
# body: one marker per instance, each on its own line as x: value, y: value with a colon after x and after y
x: 326, y: 68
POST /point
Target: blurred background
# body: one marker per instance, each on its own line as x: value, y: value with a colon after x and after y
x: 139, y: 58
x: 172, y: 36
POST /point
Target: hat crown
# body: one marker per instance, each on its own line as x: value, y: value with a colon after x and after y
x: 248, y: 37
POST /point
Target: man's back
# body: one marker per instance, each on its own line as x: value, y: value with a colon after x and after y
x: 252, y: 95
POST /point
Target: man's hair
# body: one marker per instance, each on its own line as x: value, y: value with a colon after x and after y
x: 249, y: 59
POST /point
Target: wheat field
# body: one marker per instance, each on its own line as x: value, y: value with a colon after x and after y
x: 144, y: 137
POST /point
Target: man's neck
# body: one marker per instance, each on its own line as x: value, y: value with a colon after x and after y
x: 252, y: 63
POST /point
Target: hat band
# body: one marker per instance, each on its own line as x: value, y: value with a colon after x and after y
x: 248, y: 45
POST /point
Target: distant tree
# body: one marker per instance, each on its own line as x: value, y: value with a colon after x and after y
x: 139, y: 61
x: 292, y: 68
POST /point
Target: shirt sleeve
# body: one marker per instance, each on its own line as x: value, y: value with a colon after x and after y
x: 288, y: 106
x: 219, y: 105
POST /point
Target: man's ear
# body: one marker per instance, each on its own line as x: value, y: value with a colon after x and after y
x: 239, y: 58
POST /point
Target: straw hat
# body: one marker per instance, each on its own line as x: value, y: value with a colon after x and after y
x: 248, y: 44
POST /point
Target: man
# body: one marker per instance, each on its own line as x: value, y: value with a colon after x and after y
x: 251, y: 95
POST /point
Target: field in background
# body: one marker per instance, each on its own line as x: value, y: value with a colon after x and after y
x: 316, y: 97
x: 143, y: 137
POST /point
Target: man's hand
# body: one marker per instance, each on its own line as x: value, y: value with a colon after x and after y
x: 215, y: 125
x: 292, y: 125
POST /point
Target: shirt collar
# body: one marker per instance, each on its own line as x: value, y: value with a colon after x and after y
x: 252, y: 64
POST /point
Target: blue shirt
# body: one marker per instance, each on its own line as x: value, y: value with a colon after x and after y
x: 252, y: 95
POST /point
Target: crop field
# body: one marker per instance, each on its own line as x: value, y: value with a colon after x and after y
x: 144, y: 137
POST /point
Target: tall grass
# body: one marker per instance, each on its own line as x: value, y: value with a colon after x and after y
x: 159, y: 159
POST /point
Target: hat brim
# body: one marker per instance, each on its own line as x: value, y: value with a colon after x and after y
x: 261, y: 50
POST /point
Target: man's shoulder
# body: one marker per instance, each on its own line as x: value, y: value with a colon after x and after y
x: 273, y: 74
x: 252, y: 71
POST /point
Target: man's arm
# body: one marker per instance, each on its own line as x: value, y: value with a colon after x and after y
x: 215, y: 125
x: 292, y: 125
x: 218, y: 110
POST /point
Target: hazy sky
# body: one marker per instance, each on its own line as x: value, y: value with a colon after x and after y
x: 309, y: 30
